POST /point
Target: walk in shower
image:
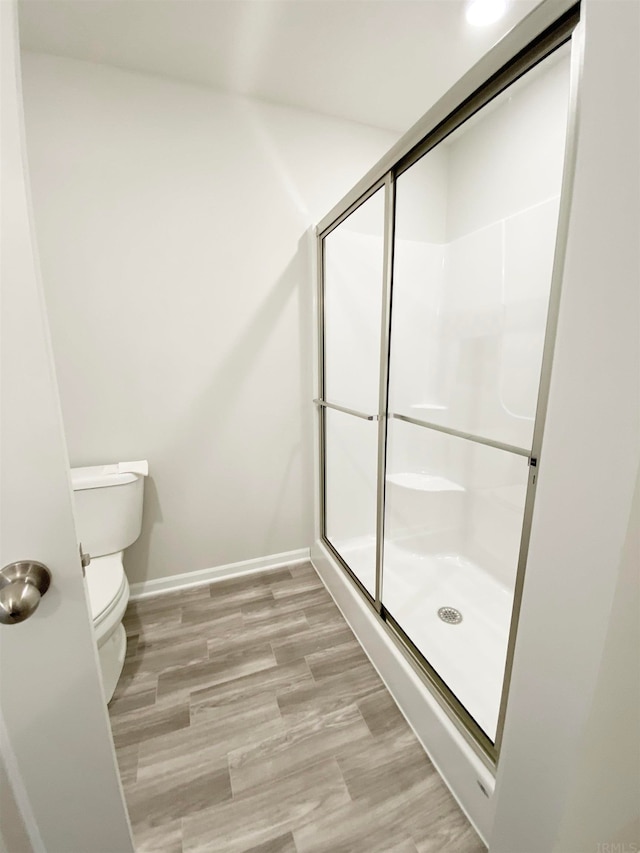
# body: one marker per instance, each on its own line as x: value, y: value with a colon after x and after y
x: 438, y: 291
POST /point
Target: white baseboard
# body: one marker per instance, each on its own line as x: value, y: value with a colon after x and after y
x: 206, y: 576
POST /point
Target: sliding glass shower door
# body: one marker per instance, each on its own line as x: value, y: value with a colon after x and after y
x: 436, y: 346
x: 475, y: 232
x: 353, y: 257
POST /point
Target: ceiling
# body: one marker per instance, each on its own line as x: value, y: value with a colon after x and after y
x: 378, y: 62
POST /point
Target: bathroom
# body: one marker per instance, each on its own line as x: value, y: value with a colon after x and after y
x: 201, y: 350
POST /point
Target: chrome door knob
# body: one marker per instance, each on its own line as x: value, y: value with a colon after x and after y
x: 22, y: 585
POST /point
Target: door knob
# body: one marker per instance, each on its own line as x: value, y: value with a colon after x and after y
x: 22, y: 585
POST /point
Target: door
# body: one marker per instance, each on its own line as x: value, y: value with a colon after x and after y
x: 352, y: 297
x: 55, y: 740
x: 475, y: 235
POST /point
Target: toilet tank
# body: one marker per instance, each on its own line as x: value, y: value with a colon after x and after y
x: 108, y: 508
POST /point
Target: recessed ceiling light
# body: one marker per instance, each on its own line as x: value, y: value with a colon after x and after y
x: 483, y: 12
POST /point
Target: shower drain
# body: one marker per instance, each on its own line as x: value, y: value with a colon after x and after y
x: 450, y: 615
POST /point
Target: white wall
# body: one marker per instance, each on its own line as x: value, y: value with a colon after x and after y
x: 579, y: 579
x: 170, y: 221
x: 611, y: 812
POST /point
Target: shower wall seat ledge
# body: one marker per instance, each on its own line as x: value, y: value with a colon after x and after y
x: 468, y: 777
x: 423, y: 482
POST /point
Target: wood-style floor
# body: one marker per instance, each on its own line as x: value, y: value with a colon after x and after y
x: 248, y: 718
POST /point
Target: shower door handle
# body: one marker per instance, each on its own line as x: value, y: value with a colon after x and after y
x: 22, y: 585
x: 354, y: 412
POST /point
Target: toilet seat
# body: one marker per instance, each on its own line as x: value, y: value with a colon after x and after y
x: 108, y: 591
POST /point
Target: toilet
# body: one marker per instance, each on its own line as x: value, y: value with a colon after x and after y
x: 108, y: 512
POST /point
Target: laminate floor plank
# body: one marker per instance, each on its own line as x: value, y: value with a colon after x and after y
x: 222, y: 604
x: 338, y: 661
x: 240, y: 584
x: 173, y: 795
x: 310, y: 641
x: 264, y: 609
x: 261, y: 764
x: 133, y: 700
x: 281, y: 844
x: 156, y: 657
x: 131, y: 683
x: 303, y: 569
x: 276, y: 680
x: 208, y: 740
x: 158, y: 636
x: 222, y: 666
x: 280, y: 630
x: 267, y: 811
x: 296, y: 585
x: 312, y: 700
x: 323, y: 614
x: 161, y: 837
x: 406, y: 846
x: 128, y: 763
x: 351, y: 827
x: 149, y: 722
x: 380, y: 712
x: 393, y: 764
x: 249, y: 720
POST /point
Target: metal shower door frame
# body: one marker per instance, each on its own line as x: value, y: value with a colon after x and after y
x: 549, y: 26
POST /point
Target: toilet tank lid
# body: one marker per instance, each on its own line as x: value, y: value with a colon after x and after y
x: 99, y: 476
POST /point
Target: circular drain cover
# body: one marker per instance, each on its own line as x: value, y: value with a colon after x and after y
x: 450, y: 615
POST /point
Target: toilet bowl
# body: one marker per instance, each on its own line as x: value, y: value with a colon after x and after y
x: 108, y: 511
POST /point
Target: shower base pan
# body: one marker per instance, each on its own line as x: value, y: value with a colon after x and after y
x: 468, y: 654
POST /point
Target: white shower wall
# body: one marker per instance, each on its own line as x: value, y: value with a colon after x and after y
x: 171, y: 226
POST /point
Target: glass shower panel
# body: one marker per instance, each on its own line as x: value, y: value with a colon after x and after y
x: 353, y: 261
x: 476, y: 221
x: 453, y: 520
x: 350, y: 492
x: 475, y: 233
x: 353, y: 255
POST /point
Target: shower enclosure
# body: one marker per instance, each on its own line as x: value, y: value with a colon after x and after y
x: 438, y: 293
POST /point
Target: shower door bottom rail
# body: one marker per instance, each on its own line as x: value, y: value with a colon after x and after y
x: 473, y: 732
